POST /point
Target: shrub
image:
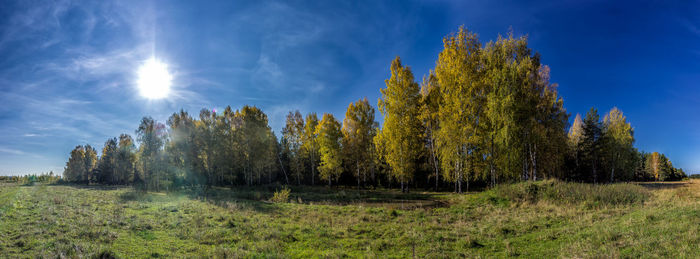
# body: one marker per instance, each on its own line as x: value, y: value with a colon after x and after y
x: 281, y: 195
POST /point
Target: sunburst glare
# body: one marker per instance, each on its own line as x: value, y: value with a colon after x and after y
x: 154, y: 79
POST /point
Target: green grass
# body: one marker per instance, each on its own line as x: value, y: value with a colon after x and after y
x: 543, y: 219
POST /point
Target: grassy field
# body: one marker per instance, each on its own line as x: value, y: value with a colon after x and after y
x: 543, y: 219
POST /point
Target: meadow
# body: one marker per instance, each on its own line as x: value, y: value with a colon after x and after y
x: 541, y: 219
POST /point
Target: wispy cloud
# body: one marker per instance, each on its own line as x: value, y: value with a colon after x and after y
x: 11, y: 151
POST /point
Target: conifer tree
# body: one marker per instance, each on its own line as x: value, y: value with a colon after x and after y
x: 591, y: 144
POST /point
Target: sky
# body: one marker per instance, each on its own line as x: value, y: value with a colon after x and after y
x: 68, y: 69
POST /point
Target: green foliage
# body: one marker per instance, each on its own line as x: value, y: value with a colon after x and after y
x: 281, y: 195
x: 151, y: 163
x: 591, y: 146
x: 328, y: 136
x: 486, y: 114
x: 401, y: 133
x: 309, y: 146
x: 498, y: 112
x: 618, y: 145
x: 293, y: 133
x: 359, y: 129
x: 431, y: 100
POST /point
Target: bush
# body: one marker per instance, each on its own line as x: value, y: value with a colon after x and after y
x: 281, y: 195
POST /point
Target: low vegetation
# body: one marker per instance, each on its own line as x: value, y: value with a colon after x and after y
x: 530, y: 219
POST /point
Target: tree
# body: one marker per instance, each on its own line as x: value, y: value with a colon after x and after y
x: 591, y: 144
x: 575, y: 132
x: 108, y: 162
x: 206, y: 142
x: 255, y: 143
x: 292, y: 133
x: 328, y: 137
x: 400, y: 105
x: 431, y: 100
x: 358, y: 131
x: 75, y: 167
x: 574, y: 138
x: 619, y: 138
x: 181, y: 149
x: 126, y: 159
x: 548, y: 125
x: 462, y: 106
x: 90, y: 160
x: 151, y: 136
x: 309, y: 144
x: 653, y: 165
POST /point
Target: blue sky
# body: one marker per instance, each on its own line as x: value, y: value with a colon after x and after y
x: 68, y: 69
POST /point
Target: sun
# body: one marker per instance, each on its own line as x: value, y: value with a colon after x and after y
x: 154, y: 79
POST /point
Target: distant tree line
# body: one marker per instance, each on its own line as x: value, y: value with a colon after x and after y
x: 49, y: 178
x: 486, y: 114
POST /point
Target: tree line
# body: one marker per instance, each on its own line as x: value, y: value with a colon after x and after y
x: 486, y: 114
x: 29, y: 179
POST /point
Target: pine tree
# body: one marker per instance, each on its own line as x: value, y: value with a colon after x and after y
x: 591, y: 144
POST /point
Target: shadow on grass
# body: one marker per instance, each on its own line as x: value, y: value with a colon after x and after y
x: 339, y: 196
x: 257, y: 197
x: 92, y: 186
x: 662, y: 185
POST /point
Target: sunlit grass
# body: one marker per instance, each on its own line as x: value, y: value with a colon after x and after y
x: 544, y: 219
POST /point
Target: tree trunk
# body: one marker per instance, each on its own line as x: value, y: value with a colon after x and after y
x: 286, y: 180
x: 612, y: 173
x: 595, y: 174
x: 357, y: 168
x: 313, y: 167
x: 435, y: 165
x: 491, y: 167
x: 534, y: 163
x: 459, y: 182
